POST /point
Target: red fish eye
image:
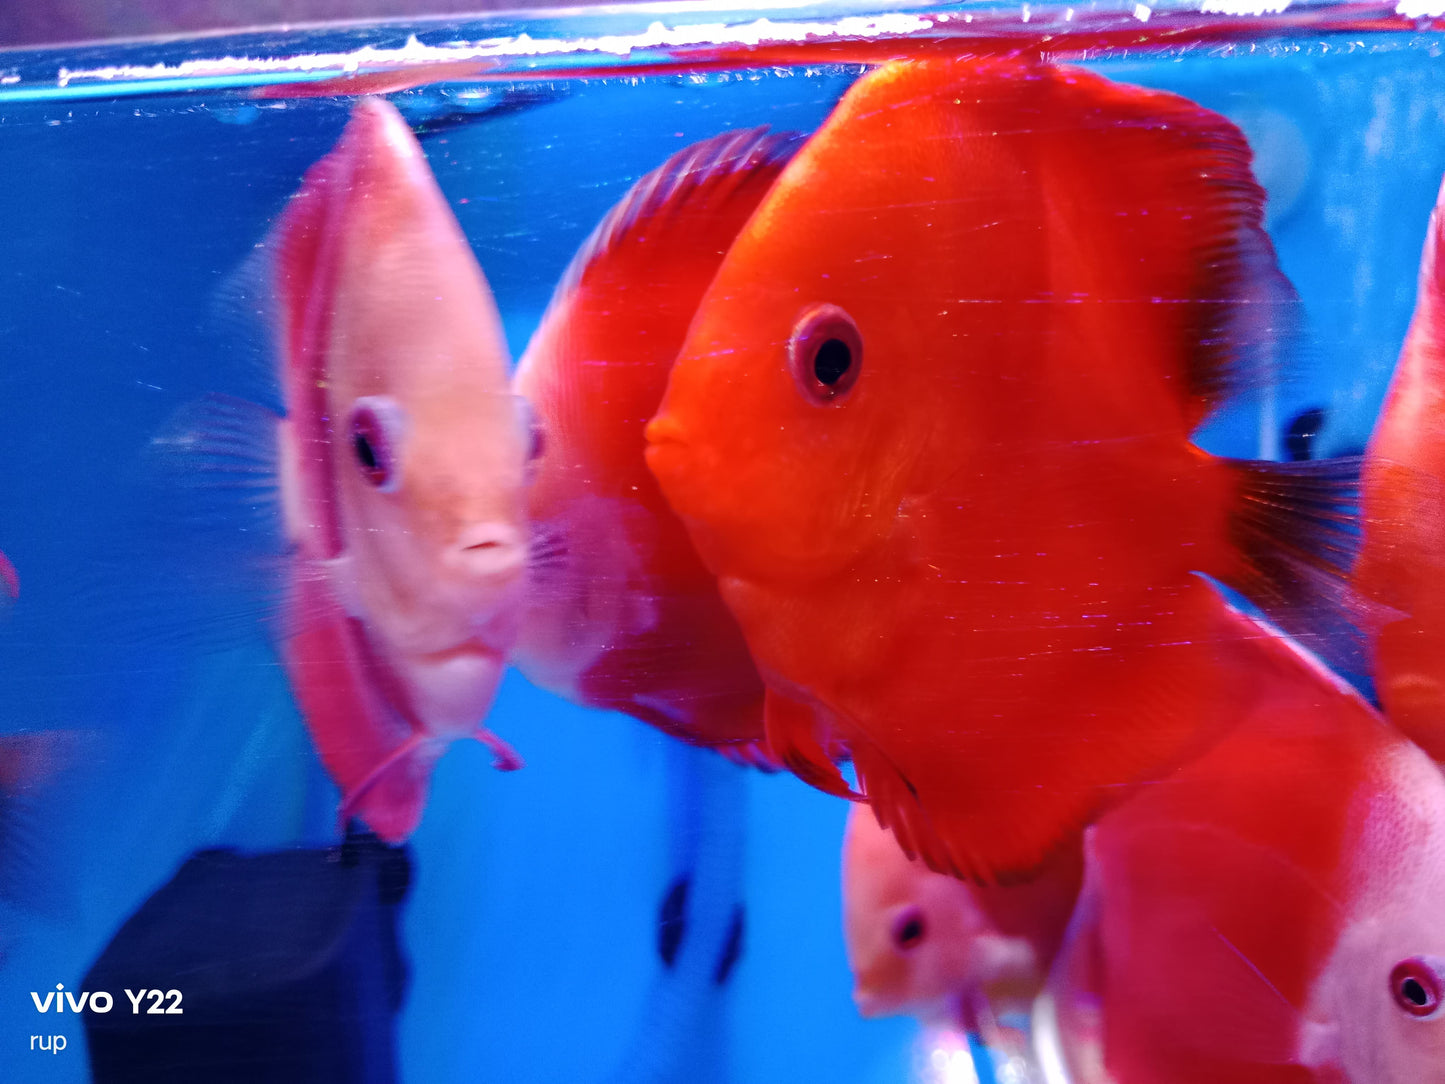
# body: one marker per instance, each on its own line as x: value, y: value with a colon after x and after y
x: 371, y: 445
x: 1416, y: 986
x: 825, y: 352
x: 909, y: 929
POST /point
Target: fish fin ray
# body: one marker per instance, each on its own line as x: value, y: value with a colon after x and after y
x: 199, y: 557
x: 32, y: 764
x: 241, y: 325
x: 1243, y: 314
x: 1296, y: 530
x: 392, y: 796
x: 708, y: 171
x: 753, y: 754
x: 897, y: 807
x: 504, y: 757
x: 789, y: 727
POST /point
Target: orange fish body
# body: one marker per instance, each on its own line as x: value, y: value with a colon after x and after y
x: 1270, y: 913
x: 928, y: 944
x: 402, y: 465
x: 623, y: 614
x: 1402, y: 559
x: 931, y: 430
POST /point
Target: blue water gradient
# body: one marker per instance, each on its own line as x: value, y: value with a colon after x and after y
x: 531, y: 926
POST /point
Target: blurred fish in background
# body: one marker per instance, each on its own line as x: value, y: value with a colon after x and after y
x: 621, y: 612
x: 1401, y: 568
x: 9, y: 580
x: 956, y: 956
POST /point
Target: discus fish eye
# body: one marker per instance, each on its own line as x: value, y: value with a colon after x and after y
x: 909, y: 929
x: 1416, y: 986
x: 374, y: 429
x: 825, y: 352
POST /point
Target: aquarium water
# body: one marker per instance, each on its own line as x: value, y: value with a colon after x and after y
x: 626, y: 909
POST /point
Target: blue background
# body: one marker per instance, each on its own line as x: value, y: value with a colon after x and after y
x: 531, y: 924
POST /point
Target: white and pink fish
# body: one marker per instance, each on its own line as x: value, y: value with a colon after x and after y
x: 401, y: 464
x: 1269, y: 913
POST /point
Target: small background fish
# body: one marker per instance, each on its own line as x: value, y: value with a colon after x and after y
x: 956, y: 956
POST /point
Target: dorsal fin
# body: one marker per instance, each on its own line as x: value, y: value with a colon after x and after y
x: 1245, y: 310
x: 1294, y: 527
x: 1248, y: 313
x: 1190, y: 206
x: 708, y: 172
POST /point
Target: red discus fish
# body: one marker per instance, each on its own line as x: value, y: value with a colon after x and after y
x: 1402, y: 559
x: 931, y: 429
x: 930, y: 945
x: 622, y: 614
x: 402, y: 464
x: 1270, y: 914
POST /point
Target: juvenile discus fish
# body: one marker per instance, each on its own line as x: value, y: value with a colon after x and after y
x: 931, y: 430
x: 929, y: 945
x: 622, y: 613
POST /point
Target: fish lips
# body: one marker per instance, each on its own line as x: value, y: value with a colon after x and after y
x: 671, y: 461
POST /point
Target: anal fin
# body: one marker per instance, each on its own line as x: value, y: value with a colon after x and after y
x: 897, y: 807
x: 791, y: 734
x: 752, y: 754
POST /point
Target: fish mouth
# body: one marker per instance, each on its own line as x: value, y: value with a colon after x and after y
x: 666, y: 451
x: 489, y: 551
x: 873, y: 1005
x: 663, y: 431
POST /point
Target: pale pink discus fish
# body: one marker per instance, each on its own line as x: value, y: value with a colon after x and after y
x: 929, y: 945
x: 403, y: 460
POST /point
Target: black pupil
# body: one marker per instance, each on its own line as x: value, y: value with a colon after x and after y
x: 365, y: 453
x: 832, y: 361
x: 911, y: 933
x: 1414, y: 993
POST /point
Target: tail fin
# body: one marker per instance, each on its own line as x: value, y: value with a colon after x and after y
x: 1296, y: 528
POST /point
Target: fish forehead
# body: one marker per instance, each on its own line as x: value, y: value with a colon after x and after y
x: 1396, y: 842
x: 412, y: 319
x: 921, y: 212
x: 407, y: 290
